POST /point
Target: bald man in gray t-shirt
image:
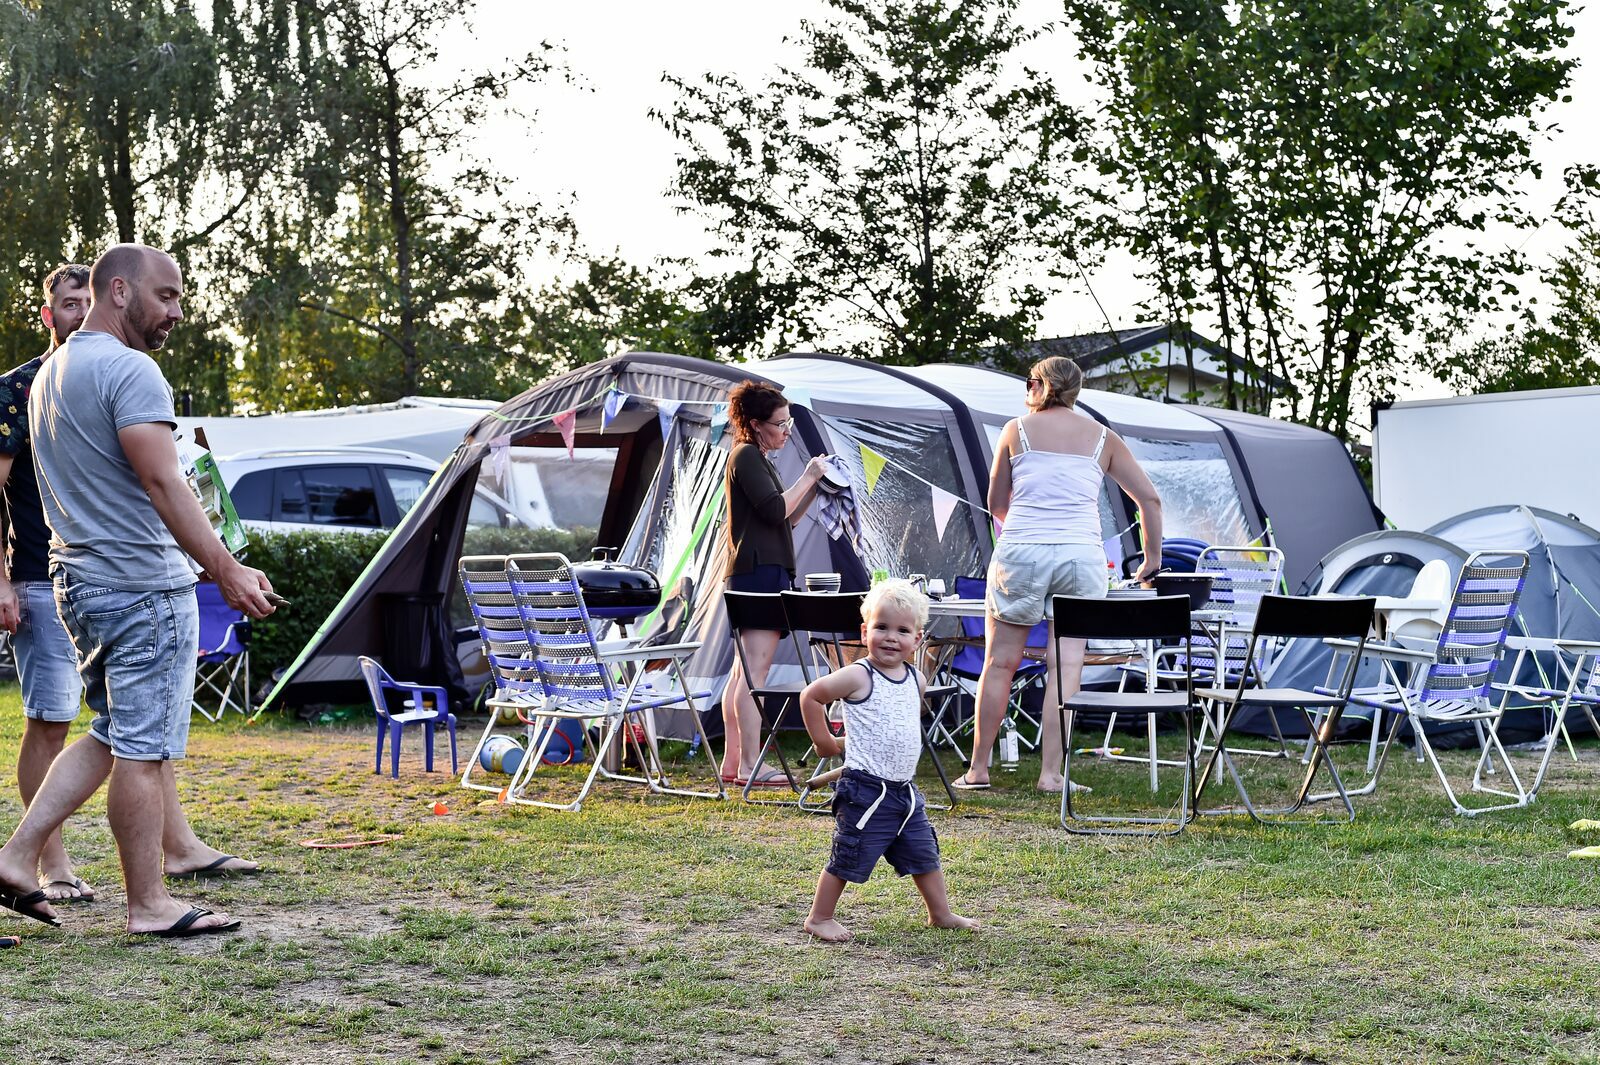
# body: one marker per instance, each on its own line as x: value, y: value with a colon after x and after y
x: 122, y: 519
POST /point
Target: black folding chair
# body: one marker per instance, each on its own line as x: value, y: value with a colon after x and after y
x: 832, y: 624
x: 762, y: 611
x: 1292, y: 617
x: 1157, y: 618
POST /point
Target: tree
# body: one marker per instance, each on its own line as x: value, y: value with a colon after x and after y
x: 413, y: 280
x: 904, y: 177
x: 1321, y: 177
x: 158, y: 123
x: 1560, y: 351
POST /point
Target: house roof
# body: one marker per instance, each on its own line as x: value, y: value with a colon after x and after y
x: 1092, y: 350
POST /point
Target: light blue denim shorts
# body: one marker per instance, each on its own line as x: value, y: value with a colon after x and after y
x: 1023, y: 577
x: 47, y: 664
x: 137, y: 651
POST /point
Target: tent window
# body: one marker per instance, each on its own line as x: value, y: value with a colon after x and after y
x: 697, y: 473
x: 897, y: 519
x: 1199, y: 497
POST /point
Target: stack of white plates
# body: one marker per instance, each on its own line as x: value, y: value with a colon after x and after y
x: 822, y: 582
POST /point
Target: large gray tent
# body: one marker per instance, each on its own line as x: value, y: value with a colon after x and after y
x: 933, y: 426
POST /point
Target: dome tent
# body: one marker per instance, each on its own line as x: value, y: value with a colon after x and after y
x: 1559, y: 599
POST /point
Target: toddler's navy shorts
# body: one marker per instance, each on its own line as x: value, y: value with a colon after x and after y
x: 876, y: 818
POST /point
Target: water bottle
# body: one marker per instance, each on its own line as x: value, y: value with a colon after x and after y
x: 1111, y: 575
x: 1010, y: 743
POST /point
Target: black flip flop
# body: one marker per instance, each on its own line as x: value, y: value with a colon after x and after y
x: 215, y: 869
x: 184, y: 926
x: 25, y: 905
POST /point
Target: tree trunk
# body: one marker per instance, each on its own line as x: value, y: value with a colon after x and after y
x: 401, y: 220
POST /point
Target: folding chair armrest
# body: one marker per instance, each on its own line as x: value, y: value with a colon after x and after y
x: 649, y: 654
x: 1381, y: 650
x: 1534, y: 643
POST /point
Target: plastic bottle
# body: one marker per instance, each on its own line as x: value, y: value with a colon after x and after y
x: 1009, y: 747
x: 1111, y: 575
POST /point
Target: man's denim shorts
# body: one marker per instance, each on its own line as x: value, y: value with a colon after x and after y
x: 137, y: 651
x: 896, y: 828
x: 47, y: 665
x: 1024, y: 577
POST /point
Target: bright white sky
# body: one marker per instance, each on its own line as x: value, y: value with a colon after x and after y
x: 598, y: 144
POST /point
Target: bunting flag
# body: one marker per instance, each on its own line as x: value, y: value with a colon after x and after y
x: 567, y: 422
x: 719, y: 421
x: 500, y: 458
x: 944, y: 504
x: 872, y: 465
x: 667, y: 410
x: 615, y: 401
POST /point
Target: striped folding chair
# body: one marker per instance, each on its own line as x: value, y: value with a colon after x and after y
x: 510, y: 658
x: 1221, y: 648
x: 1566, y: 676
x: 592, y: 684
x: 1452, y: 682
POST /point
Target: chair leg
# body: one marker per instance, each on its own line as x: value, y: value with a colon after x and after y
x: 396, y: 730
x: 427, y: 746
x: 377, y: 763
x: 451, y: 722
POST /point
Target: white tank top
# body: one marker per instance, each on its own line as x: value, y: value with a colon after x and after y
x: 1055, y: 496
x: 882, y: 733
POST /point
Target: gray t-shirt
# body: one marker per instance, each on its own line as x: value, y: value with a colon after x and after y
x: 104, y: 529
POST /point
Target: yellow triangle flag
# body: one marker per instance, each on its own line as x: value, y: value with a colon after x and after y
x: 872, y: 465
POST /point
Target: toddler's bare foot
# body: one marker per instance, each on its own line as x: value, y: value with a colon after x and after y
x: 954, y: 920
x: 831, y: 931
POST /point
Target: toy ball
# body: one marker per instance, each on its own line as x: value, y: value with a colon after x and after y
x: 506, y: 715
x: 501, y: 754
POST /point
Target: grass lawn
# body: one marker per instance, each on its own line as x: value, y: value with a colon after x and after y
x: 668, y: 930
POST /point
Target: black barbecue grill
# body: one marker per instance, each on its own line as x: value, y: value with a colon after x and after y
x: 614, y: 590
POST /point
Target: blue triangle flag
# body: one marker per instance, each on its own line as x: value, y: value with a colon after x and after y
x: 667, y: 410
x: 615, y: 401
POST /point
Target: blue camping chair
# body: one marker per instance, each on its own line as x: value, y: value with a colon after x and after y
x: 963, y: 664
x: 222, y: 666
x: 415, y: 710
x: 1451, y: 680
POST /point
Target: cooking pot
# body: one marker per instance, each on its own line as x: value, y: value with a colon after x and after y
x: 1197, y: 586
x: 613, y: 589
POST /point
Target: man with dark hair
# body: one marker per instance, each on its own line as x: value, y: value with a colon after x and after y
x: 47, y: 666
x: 123, y: 520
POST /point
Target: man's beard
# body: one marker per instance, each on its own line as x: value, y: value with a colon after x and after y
x: 153, y: 331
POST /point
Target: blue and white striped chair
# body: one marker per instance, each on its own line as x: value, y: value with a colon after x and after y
x: 1452, y: 681
x: 517, y: 686
x: 593, y: 684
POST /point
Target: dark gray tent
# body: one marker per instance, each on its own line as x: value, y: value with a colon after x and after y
x: 1304, y: 482
x: 934, y: 430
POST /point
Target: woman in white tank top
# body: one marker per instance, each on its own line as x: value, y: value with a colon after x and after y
x: 1045, y: 489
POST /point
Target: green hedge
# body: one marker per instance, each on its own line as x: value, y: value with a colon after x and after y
x: 313, y: 570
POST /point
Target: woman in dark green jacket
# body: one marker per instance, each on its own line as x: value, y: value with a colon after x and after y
x: 761, y: 517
